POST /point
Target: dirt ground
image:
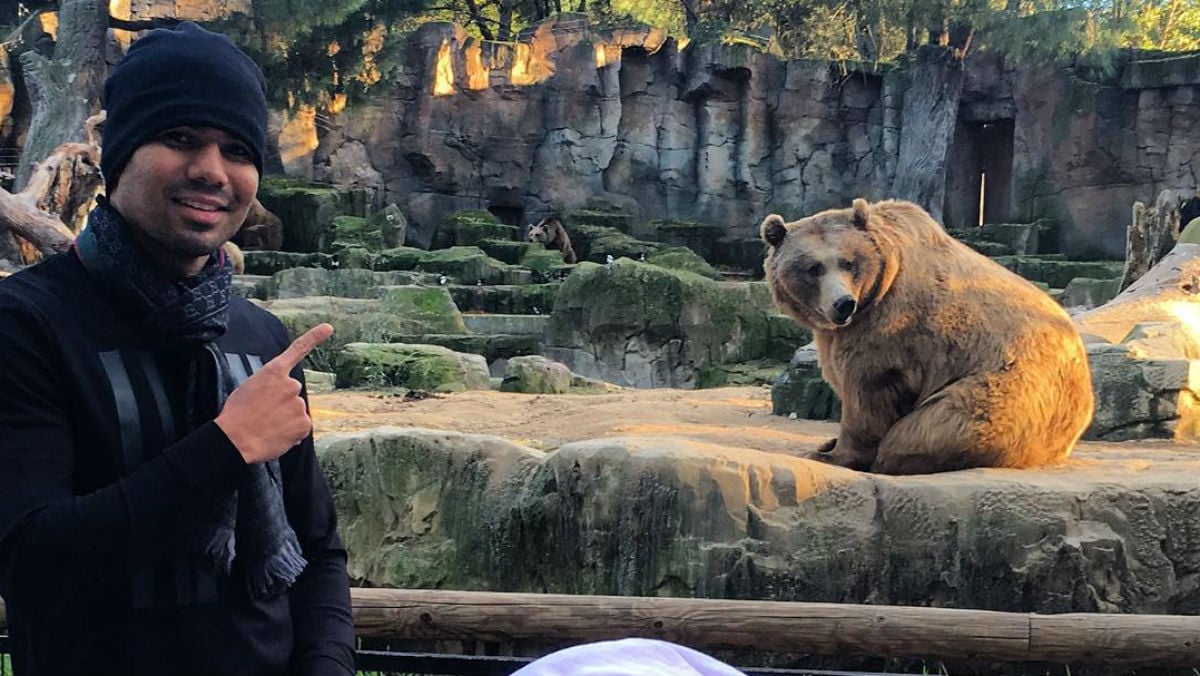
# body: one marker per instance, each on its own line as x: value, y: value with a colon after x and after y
x: 733, y: 416
x: 729, y: 416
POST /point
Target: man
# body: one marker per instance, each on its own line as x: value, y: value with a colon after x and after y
x: 161, y: 509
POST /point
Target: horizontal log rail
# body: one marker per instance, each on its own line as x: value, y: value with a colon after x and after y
x: 779, y: 627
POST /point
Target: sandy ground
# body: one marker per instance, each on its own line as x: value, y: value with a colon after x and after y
x: 732, y: 416
x: 735, y: 416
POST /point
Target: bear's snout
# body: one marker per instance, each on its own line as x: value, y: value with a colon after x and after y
x: 843, y: 309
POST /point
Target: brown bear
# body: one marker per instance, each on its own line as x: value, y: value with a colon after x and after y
x: 943, y: 359
x: 261, y: 231
x: 551, y: 233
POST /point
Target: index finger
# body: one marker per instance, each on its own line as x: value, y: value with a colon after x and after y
x: 299, y: 349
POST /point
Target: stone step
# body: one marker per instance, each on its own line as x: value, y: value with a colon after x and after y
x: 1057, y: 272
x: 506, y: 324
x: 525, y: 299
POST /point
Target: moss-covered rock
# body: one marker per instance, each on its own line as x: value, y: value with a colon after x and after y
x: 643, y: 325
x: 346, y: 283
x: 418, y: 367
x: 270, y: 262
x: 356, y: 231
x: 573, y: 219
x: 507, y: 251
x: 682, y: 258
x: 1058, y: 272
x: 308, y: 211
x: 464, y: 264
x: 491, y: 347
x: 429, y: 307
x: 595, y: 243
x: 540, y: 259
x: 404, y: 311
x: 535, y: 374
x: 355, y: 257
x: 470, y: 228
x: 399, y: 258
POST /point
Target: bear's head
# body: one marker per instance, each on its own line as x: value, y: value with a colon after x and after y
x: 544, y: 232
x: 824, y: 269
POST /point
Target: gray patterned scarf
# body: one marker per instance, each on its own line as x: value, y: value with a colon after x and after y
x: 189, y: 315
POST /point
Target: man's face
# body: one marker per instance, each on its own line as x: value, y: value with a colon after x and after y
x: 185, y: 192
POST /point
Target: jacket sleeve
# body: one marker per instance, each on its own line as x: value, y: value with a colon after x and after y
x: 320, y: 599
x: 52, y: 539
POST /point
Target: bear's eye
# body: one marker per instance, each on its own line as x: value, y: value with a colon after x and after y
x: 848, y: 266
x: 815, y: 270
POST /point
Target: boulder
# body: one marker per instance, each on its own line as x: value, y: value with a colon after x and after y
x: 534, y: 374
x: 403, y: 311
x: 641, y: 325
x: 683, y: 258
x: 308, y: 211
x: 418, y: 367
x: 465, y: 264
x: 1113, y: 531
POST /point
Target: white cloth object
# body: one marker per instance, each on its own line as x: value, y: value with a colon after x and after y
x: 627, y: 657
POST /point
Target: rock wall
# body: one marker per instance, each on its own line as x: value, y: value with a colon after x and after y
x: 569, y: 117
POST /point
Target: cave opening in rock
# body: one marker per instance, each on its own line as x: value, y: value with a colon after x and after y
x: 979, y: 174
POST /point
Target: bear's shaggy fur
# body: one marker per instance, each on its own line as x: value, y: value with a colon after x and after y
x: 261, y: 231
x: 551, y: 233
x: 943, y: 359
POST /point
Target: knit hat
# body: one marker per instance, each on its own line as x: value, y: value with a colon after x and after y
x: 176, y: 77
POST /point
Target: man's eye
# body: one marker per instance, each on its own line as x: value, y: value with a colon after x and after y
x: 176, y: 137
x: 239, y: 151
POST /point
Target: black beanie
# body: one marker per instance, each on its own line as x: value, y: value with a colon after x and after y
x: 176, y: 77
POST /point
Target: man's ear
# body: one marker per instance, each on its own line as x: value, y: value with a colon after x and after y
x: 860, y: 213
x: 773, y: 229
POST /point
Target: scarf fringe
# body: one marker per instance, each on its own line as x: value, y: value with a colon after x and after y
x: 277, y: 572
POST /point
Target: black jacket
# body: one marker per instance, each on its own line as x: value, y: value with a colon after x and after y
x: 99, y: 485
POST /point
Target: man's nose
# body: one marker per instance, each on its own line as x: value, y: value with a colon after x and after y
x: 207, y: 165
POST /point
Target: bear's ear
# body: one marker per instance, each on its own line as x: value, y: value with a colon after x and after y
x: 773, y: 229
x: 860, y: 213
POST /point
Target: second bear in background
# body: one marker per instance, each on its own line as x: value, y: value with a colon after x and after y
x: 551, y: 233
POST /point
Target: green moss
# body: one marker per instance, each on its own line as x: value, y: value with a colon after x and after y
x: 682, y: 258
x: 430, y: 307
x: 594, y: 243
x: 355, y: 257
x: 469, y: 228
x: 356, y: 231
x: 399, y: 258
x: 507, y: 251
x: 539, y: 259
x: 419, y: 367
x: 572, y: 219
x: 466, y: 264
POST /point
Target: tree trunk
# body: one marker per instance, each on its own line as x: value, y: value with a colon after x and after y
x: 1150, y: 236
x: 1169, y: 292
x: 64, y: 91
x: 51, y: 209
x: 929, y: 112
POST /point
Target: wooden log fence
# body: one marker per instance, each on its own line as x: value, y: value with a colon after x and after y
x: 779, y: 627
